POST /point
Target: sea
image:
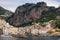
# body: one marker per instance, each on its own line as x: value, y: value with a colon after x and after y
x: 30, y: 38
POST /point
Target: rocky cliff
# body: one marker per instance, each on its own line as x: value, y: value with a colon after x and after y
x: 29, y: 12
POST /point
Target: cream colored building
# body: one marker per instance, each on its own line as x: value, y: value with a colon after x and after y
x: 34, y: 31
x: 10, y: 30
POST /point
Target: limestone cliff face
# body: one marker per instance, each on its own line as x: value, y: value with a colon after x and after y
x: 27, y: 13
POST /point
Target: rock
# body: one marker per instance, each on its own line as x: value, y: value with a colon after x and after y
x: 27, y: 13
x: 19, y: 36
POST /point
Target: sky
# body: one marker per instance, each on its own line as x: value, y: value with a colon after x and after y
x: 13, y: 4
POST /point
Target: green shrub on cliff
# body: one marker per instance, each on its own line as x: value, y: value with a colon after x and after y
x: 58, y: 23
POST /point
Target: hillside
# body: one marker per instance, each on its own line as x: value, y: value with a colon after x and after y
x: 4, y: 14
x: 29, y: 12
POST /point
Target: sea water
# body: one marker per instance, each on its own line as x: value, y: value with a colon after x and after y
x: 30, y: 38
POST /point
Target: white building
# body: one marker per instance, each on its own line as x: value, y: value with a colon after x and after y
x: 34, y: 31
x: 21, y: 30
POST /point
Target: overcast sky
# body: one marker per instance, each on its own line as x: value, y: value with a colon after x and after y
x: 13, y: 4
